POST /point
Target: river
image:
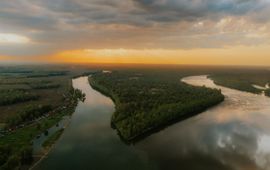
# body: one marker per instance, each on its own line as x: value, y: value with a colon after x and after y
x: 233, y: 135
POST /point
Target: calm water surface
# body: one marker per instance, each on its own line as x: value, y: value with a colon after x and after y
x: 232, y: 135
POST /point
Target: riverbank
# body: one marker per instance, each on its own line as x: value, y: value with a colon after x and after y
x: 18, y: 143
x: 53, y: 138
x: 132, y: 126
x: 252, y: 81
x: 48, y: 146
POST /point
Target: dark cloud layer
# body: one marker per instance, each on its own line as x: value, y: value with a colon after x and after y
x: 54, y: 25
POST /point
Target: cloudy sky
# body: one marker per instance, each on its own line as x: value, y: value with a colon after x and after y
x: 136, y: 31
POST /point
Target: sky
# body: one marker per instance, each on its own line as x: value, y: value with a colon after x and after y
x: 207, y: 32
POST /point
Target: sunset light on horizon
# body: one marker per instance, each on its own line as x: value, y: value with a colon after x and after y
x: 203, y: 32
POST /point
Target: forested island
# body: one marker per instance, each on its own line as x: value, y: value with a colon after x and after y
x: 146, y: 102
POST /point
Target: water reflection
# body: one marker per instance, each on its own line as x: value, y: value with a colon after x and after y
x: 235, y: 132
x: 89, y: 142
x: 233, y: 135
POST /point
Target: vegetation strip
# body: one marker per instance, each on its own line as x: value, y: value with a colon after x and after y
x: 53, y: 138
x: 30, y: 106
x: 244, y: 80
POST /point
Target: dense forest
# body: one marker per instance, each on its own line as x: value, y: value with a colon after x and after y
x: 44, y: 86
x: 10, y: 96
x: 148, y: 101
x: 28, y: 113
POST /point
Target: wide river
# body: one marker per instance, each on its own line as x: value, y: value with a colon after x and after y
x: 233, y: 135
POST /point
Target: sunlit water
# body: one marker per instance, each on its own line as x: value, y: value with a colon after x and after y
x: 232, y: 135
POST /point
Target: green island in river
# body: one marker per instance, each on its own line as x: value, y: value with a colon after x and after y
x: 145, y: 103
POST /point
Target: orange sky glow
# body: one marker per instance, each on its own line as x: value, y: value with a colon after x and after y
x: 147, y: 32
x: 239, y: 55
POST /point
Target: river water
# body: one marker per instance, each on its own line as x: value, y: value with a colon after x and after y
x: 233, y: 135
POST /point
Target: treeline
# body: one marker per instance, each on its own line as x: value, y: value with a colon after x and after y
x: 87, y: 73
x: 28, y: 113
x: 8, y: 97
x: 145, y: 102
x: 243, y: 79
x: 15, y: 71
x: 48, y: 74
x: 44, y: 86
x: 34, y: 111
x: 77, y: 94
x: 235, y: 82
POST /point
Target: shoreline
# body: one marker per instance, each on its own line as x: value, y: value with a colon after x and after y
x: 47, y: 150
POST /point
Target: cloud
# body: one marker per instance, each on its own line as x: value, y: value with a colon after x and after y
x: 57, y: 25
x: 13, y: 38
x: 196, y: 9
